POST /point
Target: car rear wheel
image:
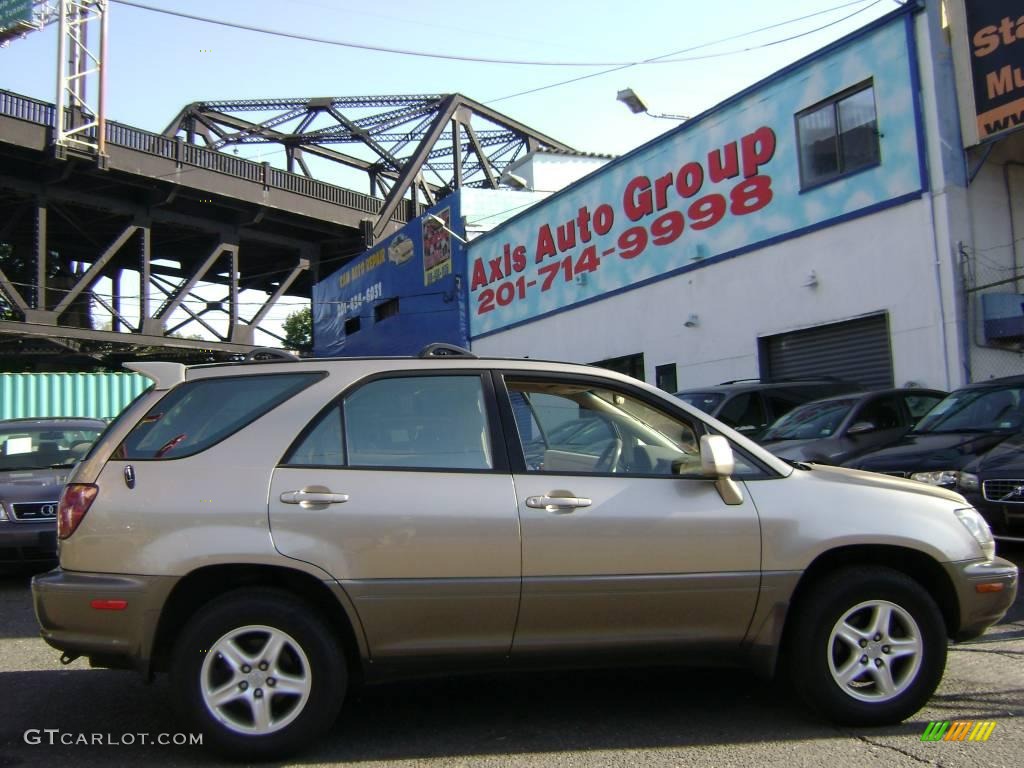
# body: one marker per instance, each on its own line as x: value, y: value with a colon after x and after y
x: 258, y: 674
x: 868, y: 647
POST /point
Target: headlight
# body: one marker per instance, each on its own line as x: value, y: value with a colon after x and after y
x: 979, y: 529
x: 967, y: 481
x: 946, y: 477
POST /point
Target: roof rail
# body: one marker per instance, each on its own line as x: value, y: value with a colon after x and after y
x: 442, y: 349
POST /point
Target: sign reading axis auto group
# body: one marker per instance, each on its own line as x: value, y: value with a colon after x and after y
x: 719, y: 186
x: 988, y: 49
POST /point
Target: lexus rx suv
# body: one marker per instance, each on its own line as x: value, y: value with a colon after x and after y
x: 272, y: 534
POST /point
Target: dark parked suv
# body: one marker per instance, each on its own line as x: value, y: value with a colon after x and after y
x: 750, y: 405
x: 965, y: 425
x: 994, y: 484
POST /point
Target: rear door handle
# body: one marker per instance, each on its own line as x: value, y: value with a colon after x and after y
x: 313, y: 498
x: 558, y: 504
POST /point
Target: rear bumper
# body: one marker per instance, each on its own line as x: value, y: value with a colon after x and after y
x: 980, y: 610
x: 75, y: 619
x: 28, y: 542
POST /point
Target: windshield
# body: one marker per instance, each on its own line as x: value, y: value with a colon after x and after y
x: 41, y: 446
x: 706, y: 401
x: 810, y: 421
x: 976, y: 410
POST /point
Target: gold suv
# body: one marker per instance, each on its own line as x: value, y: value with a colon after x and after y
x: 270, y: 533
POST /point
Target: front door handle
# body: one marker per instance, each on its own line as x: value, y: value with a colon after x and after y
x: 314, y: 496
x: 559, y: 502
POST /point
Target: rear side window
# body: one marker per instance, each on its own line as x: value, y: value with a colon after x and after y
x: 421, y: 422
x: 198, y: 414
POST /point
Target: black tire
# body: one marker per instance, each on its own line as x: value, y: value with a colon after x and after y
x: 813, y: 653
x: 300, y: 718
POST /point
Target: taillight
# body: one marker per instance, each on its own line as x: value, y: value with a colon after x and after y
x: 74, y: 503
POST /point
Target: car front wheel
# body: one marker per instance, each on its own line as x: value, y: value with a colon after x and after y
x: 258, y: 674
x: 868, y: 647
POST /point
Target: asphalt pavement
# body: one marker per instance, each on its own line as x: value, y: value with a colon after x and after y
x: 676, y: 717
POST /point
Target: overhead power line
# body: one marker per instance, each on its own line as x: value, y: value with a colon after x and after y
x: 665, y: 57
x: 448, y: 56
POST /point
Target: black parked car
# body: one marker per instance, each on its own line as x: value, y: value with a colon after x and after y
x: 35, y: 458
x: 966, y: 424
x: 994, y: 484
x: 750, y: 405
x: 843, y: 427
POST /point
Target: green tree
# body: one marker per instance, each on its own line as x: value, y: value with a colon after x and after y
x: 298, y: 330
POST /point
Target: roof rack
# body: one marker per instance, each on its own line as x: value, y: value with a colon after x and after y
x: 441, y: 349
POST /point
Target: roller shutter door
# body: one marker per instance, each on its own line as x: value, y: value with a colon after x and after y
x: 856, y: 350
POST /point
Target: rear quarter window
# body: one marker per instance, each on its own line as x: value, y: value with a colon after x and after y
x: 198, y: 414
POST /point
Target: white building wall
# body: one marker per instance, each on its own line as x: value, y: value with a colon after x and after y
x: 879, y: 263
x: 993, y: 251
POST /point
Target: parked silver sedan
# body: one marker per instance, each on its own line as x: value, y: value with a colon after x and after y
x: 35, y: 458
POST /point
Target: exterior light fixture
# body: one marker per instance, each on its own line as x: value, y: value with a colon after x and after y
x: 692, y: 321
x: 637, y: 106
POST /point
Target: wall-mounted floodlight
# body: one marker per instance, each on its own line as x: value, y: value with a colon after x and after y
x: 514, y: 181
x: 637, y: 106
x: 630, y: 99
x: 456, y: 235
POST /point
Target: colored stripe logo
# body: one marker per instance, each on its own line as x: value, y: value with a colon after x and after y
x: 958, y: 730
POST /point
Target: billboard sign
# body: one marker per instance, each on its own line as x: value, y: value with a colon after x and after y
x: 14, y: 15
x: 398, y: 296
x: 988, y: 50
x: 718, y: 186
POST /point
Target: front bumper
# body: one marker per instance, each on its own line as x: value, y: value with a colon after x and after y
x: 980, y: 610
x: 75, y: 615
x: 28, y: 542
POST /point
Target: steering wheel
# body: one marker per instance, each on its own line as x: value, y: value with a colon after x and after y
x: 608, y: 461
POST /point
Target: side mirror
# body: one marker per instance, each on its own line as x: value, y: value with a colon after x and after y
x: 718, y: 463
x: 861, y: 428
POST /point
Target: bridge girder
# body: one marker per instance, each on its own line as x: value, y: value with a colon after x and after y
x: 398, y: 140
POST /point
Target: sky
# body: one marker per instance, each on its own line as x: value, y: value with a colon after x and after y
x: 157, y: 63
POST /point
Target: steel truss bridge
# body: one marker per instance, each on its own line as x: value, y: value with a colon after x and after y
x: 170, y: 219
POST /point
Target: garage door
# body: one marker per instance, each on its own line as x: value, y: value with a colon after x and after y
x: 856, y: 350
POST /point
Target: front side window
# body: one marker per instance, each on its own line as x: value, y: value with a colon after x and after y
x: 583, y: 428
x: 198, y: 414
x: 420, y: 422
x: 744, y: 412
x: 838, y: 137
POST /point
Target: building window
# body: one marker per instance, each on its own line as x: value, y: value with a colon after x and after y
x: 351, y: 325
x: 665, y: 377
x: 385, y: 310
x: 631, y: 365
x: 838, y: 136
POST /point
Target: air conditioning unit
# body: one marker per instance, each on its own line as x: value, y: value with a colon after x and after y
x: 1003, y: 315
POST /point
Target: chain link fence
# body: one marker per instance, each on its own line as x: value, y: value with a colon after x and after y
x: 993, y: 286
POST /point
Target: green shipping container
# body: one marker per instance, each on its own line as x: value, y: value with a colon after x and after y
x: 96, y: 395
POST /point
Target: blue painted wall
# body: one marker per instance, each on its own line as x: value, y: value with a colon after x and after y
x: 421, y: 266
